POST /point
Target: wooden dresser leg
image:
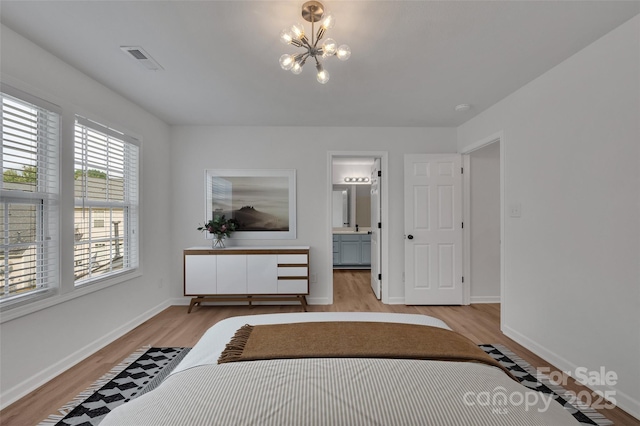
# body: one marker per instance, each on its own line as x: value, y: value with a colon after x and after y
x: 192, y: 304
x: 303, y: 302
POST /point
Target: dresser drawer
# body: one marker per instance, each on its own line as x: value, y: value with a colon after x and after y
x: 293, y: 286
x: 297, y: 259
x: 292, y: 271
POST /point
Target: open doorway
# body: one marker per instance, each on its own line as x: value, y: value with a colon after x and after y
x: 483, y: 183
x: 357, y: 208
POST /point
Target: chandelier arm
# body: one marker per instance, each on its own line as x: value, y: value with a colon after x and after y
x: 319, y: 36
x: 303, y: 58
x: 305, y: 41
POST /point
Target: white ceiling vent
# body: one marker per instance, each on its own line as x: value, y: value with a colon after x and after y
x: 141, y: 57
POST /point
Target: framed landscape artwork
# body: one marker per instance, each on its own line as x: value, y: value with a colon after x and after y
x: 263, y: 201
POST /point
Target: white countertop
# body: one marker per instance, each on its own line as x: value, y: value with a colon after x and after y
x: 352, y: 230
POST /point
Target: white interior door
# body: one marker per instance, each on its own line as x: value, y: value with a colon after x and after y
x: 433, y: 229
x: 376, y: 207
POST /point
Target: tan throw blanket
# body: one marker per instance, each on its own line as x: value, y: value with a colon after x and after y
x: 346, y: 339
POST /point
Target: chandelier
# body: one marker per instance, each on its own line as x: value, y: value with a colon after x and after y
x: 312, y: 11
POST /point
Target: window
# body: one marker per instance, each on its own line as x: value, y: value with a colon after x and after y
x: 28, y: 195
x: 106, y: 202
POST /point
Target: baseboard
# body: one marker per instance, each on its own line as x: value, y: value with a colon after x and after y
x: 623, y: 400
x: 10, y: 396
x: 474, y: 299
x: 485, y: 299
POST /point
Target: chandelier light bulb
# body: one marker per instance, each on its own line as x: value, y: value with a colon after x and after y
x: 286, y: 36
x: 297, y: 68
x: 323, y: 76
x: 298, y: 31
x: 344, y: 52
x: 328, y: 21
x: 329, y: 47
x: 286, y: 61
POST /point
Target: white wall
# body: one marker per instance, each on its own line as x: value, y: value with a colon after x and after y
x: 195, y: 149
x: 37, y: 346
x: 485, y: 224
x: 572, y: 159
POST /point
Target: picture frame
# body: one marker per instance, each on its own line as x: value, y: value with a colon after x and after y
x: 263, y: 201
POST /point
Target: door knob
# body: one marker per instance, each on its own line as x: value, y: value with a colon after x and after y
x: 410, y: 237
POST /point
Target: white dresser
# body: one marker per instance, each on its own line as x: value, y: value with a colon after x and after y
x: 246, y: 274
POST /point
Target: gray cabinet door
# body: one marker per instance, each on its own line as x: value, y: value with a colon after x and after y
x: 350, y: 253
x: 336, y: 250
x: 365, y: 248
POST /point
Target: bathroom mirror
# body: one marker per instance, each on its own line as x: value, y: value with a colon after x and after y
x: 351, y: 206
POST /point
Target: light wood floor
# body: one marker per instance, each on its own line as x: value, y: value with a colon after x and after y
x: 174, y: 327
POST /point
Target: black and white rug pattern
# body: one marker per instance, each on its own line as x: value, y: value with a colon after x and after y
x: 531, y: 378
x: 145, y: 369
x: 141, y: 372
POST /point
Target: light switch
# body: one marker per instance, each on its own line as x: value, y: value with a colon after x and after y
x: 515, y: 210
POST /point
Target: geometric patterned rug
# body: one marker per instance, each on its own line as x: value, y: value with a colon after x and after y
x: 146, y: 368
x: 531, y: 378
x: 139, y: 373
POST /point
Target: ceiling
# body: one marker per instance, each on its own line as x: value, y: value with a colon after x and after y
x: 412, y: 62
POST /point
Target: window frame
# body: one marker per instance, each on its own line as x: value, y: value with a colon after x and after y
x: 130, y: 203
x: 45, y: 197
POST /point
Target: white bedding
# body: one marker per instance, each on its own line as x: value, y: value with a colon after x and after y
x: 333, y: 391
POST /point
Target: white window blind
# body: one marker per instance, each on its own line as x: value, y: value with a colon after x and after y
x: 106, y: 201
x: 28, y: 195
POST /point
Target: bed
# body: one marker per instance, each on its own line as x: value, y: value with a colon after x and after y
x: 345, y: 390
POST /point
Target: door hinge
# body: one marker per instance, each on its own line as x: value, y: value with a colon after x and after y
x: 379, y: 225
x: 462, y: 170
x: 462, y: 225
x: 462, y: 279
x: 379, y: 173
x: 379, y: 277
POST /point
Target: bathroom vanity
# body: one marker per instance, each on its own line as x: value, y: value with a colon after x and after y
x: 352, y: 248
